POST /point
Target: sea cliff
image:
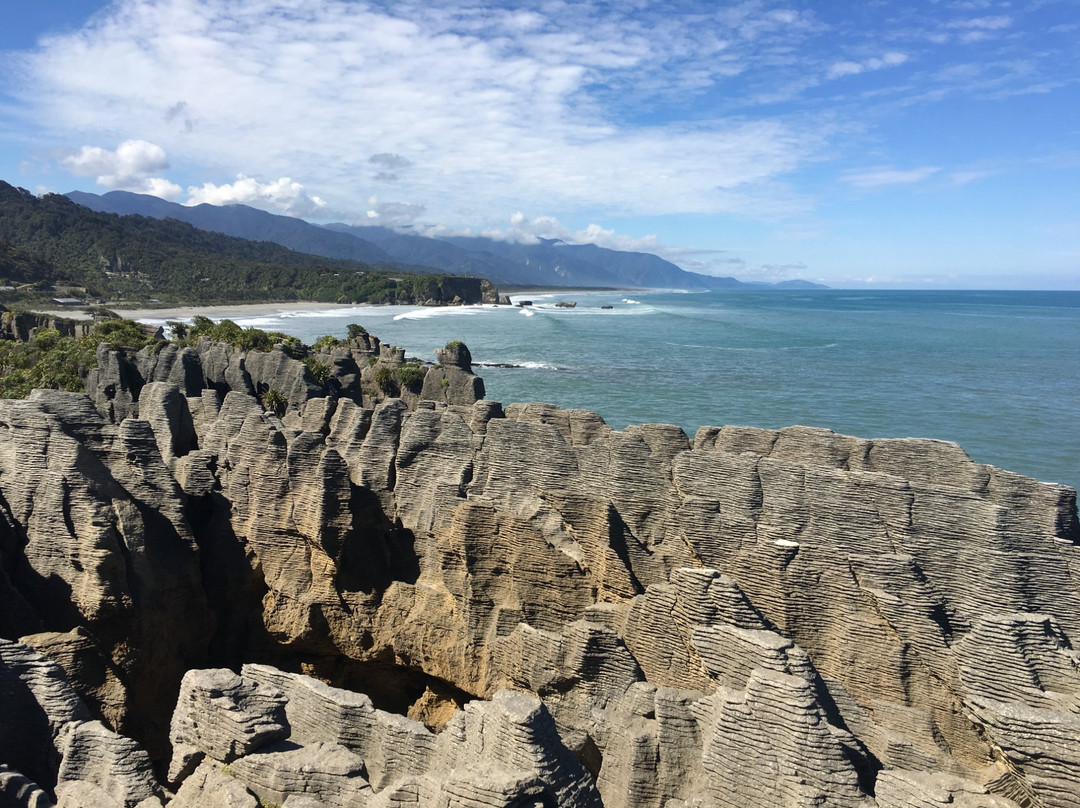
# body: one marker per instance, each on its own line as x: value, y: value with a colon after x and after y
x: 368, y: 600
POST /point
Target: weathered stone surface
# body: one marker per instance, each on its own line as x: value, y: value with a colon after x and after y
x: 771, y: 744
x: 85, y: 662
x: 19, y: 791
x: 835, y: 605
x: 210, y: 787
x: 96, y: 756
x: 1022, y: 683
x: 507, y: 749
x: 37, y: 703
x: 166, y: 408
x: 896, y: 788
x: 328, y: 772
x: 224, y: 716
x: 104, y: 543
x: 452, y: 380
x: 115, y: 383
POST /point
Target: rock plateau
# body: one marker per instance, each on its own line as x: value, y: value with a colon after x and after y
x: 436, y: 601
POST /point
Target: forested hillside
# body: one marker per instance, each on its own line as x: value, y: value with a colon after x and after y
x: 50, y: 239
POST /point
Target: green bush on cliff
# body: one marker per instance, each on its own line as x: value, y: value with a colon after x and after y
x: 55, y: 362
x: 384, y: 380
x: 320, y: 371
x: 410, y: 377
x: 121, y: 334
x: 325, y: 343
x: 247, y: 339
x: 273, y: 401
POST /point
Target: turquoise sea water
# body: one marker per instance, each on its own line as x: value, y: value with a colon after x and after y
x: 997, y: 372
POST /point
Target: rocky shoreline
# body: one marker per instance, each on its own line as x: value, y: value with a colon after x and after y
x: 432, y: 600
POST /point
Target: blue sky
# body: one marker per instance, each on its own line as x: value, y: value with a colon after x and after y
x: 888, y: 144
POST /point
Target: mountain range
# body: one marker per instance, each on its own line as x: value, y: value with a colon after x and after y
x: 50, y: 245
x: 549, y: 262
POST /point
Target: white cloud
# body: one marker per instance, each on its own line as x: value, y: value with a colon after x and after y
x: 466, y: 107
x: 522, y: 229
x: 868, y: 179
x: 847, y: 68
x: 392, y: 214
x: 159, y: 186
x: 969, y: 175
x: 282, y: 195
x: 127, y: 168
x: 132, y: 158
x: 983, y: 23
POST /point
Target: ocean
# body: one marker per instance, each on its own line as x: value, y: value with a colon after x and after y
x: 996, y: 372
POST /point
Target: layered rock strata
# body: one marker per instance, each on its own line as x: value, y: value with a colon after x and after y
x: 749, y: 618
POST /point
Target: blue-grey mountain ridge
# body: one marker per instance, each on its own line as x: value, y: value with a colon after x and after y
x: 548, y: 263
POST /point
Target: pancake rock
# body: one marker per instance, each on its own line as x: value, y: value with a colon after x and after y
x: 579, y: 615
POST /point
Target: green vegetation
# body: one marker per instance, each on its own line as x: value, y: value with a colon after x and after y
x: 56, y: 362
x: 325, y: 344
x: 50, y: 241
x: 52, y: 360
x: 247, y: 339
x: 454, y: 345
x: 320, y: 371
x: 356, y: 331
x: 410, y: 377
x: 384, y: 379
x: 273, y: 401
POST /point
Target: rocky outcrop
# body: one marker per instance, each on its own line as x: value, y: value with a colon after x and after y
x: 342, y: 751
x: 746, y: 618
x: 452, y: 380
x: 361, y: 369
x: 25, y: 325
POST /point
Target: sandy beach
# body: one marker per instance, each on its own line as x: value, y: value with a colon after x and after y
x: 248, y: 309
x: 227, y: 312
x: 213, y: 312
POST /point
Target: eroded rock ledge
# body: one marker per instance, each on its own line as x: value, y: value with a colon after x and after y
x: 538, y: 608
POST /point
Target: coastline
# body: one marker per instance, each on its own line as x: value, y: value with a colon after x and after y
x: 231, y: 310
x: 224, y: 311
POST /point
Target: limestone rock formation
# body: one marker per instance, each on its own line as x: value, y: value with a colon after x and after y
x: 452, y: 380
x: 224, y: 716
x: 749, y: 617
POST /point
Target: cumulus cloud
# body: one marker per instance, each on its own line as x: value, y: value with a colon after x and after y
x: 282, y: 196
x: 868, y: 179
x: 132, y: 158
x: 522, y: 229
x: 128, y: 167
x: 161, y: 187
